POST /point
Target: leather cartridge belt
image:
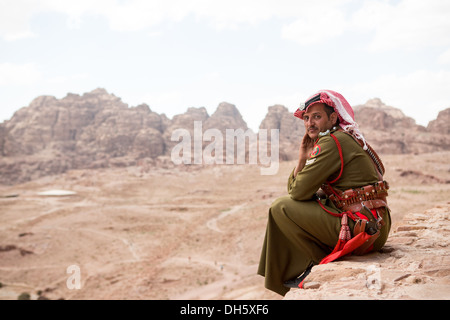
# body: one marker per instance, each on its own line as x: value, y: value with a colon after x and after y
x: 372, y: 196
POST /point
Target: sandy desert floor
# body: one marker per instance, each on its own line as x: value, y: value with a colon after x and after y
x: 179, y: 232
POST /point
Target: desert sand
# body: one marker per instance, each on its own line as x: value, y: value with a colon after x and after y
x: 195, y: 232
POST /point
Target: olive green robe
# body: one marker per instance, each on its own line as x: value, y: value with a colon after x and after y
x: 299, y: 232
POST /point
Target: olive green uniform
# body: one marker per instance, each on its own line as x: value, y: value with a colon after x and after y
x: 299, y: 232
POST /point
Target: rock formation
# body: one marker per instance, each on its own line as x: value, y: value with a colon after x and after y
x: 389, y: 131
x: 50, y: 135
x: 98, y: 130
x: 95, y: 130
x: 441, y: 124
x: 291, y: 130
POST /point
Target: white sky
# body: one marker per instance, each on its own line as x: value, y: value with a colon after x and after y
x: 175, y: 54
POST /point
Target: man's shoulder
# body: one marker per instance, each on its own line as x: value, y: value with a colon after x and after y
x: 343, y: 139
x: 325, y: 137
x: 324, y: 145
x: 342, y: 135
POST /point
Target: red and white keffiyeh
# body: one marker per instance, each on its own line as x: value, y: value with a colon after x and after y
x: 340, y: 105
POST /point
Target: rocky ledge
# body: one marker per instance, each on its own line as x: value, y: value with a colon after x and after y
x: 414, y: 264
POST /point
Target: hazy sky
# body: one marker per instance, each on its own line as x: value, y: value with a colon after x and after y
x: 175, y: 54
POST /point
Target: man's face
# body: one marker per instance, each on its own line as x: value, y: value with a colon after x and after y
x: 316, y: 120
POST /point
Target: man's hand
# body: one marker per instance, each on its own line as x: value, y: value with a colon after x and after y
x: 304, y: 152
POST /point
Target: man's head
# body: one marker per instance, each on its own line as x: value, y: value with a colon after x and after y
x: 341, y: 108
x: 319, y: 118
x: 335, y: 101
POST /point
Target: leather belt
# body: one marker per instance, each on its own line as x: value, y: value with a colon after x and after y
x: 371, y: 204
x: 372, y: 196
x: 362, y: 200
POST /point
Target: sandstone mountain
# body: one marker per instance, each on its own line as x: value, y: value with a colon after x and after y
x: 389, y: 131
x: 98, y: 130
x: 95, y: 130
x: 291, y: 130
x: 441, y: 124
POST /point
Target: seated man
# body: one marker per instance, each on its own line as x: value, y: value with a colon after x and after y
x: 337, y: 186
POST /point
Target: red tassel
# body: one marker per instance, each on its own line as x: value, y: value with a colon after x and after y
x: 345, y: 234
x: 345, y: 245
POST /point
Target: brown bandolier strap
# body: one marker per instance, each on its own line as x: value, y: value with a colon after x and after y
x: 372, y: 196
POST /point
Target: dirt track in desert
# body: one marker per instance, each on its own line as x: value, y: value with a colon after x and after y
x: 180, y: 232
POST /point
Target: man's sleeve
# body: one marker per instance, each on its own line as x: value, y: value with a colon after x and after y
x: 290, y: 181
x: 323, y: 162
